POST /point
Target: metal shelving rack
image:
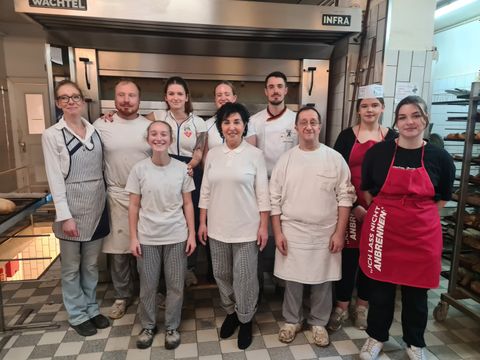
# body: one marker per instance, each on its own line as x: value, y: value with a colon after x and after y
x: 456, y: 293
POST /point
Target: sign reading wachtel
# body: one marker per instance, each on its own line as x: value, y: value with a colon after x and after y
x: 60, y: 4
x: 336, y: 20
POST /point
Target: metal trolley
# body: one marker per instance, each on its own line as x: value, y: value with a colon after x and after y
x: 26, y: 205
x: 458, y: 292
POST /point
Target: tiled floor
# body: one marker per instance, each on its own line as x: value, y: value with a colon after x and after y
x: 456, y: 338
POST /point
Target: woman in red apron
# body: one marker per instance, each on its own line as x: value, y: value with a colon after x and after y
x: 353, y: 143
x: 407, y: 181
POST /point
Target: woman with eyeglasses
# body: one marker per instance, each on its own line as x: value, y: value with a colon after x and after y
x: 74, y: 164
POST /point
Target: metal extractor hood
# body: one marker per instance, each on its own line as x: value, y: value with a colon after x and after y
x: 195, y: 27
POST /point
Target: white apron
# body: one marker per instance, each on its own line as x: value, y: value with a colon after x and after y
x: 308, y: 260
x: 118, y: 241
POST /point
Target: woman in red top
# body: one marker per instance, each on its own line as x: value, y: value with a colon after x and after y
x: 353, y: 143
x: 406, y: 181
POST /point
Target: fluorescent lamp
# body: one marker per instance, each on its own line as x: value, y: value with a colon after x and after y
x: 452, y: 7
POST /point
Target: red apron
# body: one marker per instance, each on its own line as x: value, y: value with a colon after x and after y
x: 355, y: 161
x: 402, y: 236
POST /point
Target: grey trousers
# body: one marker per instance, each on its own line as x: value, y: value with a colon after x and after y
x: 123, y: 273
x: 235, y: 271
x: 320, y: 303
x: 79, y: 261
x: 149, y: 264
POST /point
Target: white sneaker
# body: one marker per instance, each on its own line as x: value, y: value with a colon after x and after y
x: 416, y: 353
x: 320, y: 336
x: 371, y: 349
x: 118, y: 309
x: 360, y: 316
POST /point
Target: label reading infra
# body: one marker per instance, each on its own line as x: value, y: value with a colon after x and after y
x: 336, y: 20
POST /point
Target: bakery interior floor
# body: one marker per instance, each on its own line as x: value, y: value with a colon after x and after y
x: 458, y: 337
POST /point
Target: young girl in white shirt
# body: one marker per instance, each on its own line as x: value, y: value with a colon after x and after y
x: 162, y: 230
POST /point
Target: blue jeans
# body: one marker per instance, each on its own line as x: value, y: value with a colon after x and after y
x: 79, y: 279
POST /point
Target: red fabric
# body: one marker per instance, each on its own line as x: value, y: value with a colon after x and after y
x: 11, y: 268
x: 355, y: 161
x: 401, y: 239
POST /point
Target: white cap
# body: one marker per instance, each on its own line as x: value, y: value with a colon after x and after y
x: 370, y: 91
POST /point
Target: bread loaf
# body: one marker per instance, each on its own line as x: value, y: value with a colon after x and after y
x: 6, y: 206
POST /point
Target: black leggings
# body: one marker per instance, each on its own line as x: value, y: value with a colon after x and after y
x: 382, y: 307
x: 351, y: 275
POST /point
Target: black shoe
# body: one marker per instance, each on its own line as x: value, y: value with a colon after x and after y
x: 145, y: 338
x: 229, y: 325
x: 100, y: 321
x: 245, y: 335
x: 85, y: 329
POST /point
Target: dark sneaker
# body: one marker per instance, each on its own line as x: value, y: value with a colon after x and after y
x: 100, y: 321
x: 172, y: 339
x: 245, y: 335
x: 145, y: 338
x: 229, y: 325
x: 85, y: 329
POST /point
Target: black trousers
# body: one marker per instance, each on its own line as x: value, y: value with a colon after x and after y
x: 382, y: 306
x: 351, y: 275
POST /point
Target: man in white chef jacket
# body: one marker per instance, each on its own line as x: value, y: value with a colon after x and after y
x: 124, y: 145
x: 275, y: 134
x: 311, y: 196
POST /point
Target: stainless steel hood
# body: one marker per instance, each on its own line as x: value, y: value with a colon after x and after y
x: 195, y: 27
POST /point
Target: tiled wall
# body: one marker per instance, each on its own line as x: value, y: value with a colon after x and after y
x: 402, y: 66
x: 343, y: 65
x: 391, y: 67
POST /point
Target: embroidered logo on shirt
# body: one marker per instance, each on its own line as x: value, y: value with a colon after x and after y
x: 187, y: 131
x: 287, y: 136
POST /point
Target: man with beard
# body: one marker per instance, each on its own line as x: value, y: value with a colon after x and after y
x: 275, y: 134
x: 123, y: 146
x: 275, y: 125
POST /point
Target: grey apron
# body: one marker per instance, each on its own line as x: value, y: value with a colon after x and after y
x: 85, y: 189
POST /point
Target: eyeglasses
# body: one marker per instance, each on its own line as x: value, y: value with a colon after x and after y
x: 306, y: 123
x: 65, y: 99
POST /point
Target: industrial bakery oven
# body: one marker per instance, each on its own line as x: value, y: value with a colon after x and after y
x: 204, y: 41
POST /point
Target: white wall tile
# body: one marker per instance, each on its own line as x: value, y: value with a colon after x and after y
x: 388, y: 112
x: 419, y: 58
x: 391, y: 57
x: 380, y: 34
x: 427, y: 92
x: 389, y: 78
x: 378, y: 71
x: 404, y: 65
x: 417, y: 77
x: 428, y: 66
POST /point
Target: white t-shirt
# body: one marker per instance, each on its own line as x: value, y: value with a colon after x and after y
x: 276, y: 136
x: 184, y: 136
x: 234, y: 191
x: 161, y: 220
x: 124, y: 144
x: 214, y: 138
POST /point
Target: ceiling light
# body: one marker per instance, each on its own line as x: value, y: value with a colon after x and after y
x: 452, y: 7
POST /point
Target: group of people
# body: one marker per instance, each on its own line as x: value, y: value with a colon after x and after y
x: 364, y: 215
